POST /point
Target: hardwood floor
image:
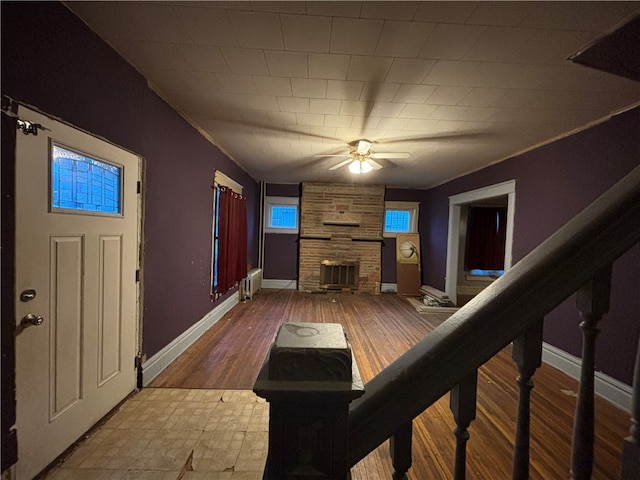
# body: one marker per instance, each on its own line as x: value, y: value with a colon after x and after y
x: 380, y: 328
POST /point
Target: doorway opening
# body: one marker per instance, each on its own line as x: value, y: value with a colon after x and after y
x: 461, y: 284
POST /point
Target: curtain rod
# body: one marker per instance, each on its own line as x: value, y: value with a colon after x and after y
x: 222, y: 188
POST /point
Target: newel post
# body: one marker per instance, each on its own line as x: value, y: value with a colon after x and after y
x: 309, y: 378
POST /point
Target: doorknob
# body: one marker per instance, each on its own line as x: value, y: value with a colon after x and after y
x: 31, y: 319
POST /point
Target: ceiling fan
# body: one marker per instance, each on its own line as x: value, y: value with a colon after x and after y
x: 361, y: 157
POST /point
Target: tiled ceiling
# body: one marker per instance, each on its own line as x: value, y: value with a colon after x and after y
x: 457, y: 85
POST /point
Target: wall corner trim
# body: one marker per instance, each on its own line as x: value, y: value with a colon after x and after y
x: 606, y: 387
x: 161, y: 360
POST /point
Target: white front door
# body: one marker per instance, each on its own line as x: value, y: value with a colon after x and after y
x: 77, y: 230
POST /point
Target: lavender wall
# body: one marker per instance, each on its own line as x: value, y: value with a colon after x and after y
x: 67, y: 71
x: 553, y: 183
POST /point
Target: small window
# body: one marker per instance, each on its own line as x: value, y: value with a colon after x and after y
x: 84, y: 184
x: 400, y: 217
x: 397, y: 221
x: 281, y: 215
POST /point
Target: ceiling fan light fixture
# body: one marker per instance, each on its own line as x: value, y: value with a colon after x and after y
x: 361, y: 158
x: 360, y: 166
x: 364, y: 147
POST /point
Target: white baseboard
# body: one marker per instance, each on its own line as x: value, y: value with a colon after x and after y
x: 388, y: 287
x: 279, y: 284
x: 161, y: 360
x: 605, y: 386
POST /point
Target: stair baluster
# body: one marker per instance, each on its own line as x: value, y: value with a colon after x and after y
x: 631, y: 447
x: 400, y: 450
x: 592, y: 300
x: 527, y: 353
x: 462, y: 402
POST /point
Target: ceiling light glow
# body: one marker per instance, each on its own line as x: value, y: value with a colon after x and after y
x: 360, y: 166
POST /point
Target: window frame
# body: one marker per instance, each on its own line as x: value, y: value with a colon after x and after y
x: 81, y: 211
x: 273, y: 201
x: 414, y: 210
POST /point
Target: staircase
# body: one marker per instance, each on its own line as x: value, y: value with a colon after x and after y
x: 577, y: 258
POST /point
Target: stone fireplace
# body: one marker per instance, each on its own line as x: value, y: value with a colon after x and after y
x: 341, y: 227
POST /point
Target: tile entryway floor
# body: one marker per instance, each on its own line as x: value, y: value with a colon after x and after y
x: 172, y: 434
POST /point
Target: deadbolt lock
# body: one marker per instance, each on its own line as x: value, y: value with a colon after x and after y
x: 27, y: 295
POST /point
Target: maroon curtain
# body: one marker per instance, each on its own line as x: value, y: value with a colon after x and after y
x: 232, y: 239
x: 486, y: 236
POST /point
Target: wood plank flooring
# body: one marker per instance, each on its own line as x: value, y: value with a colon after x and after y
x: 381, y: 328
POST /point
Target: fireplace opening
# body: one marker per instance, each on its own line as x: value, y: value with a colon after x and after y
x: 339, y: 274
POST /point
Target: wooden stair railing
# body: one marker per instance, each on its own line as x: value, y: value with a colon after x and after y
x: 631, y: 449
x: 577, y: 258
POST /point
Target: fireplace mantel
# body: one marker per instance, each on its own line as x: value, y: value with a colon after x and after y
x: 342, y: 223
x: 352, y: 238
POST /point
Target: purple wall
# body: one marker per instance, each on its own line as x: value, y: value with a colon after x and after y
x: 553, y: 183
x: 282, y: 189
x: 281, y: 249
x: 281, y: 256
x: 67, y: 71
x: 389, y: 267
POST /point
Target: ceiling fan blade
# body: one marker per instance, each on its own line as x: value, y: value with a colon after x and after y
x: 341, y: 164
x: 392, y: 155
x: 374, y: 164
x: 371, y: 96
x: 323, y: 155
x: 440, y: 136
x: 225, y: 122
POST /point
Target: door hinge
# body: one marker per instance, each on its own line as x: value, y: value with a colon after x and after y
x: 139, y: 187
x: 137, y: 365
x: 138, y: 275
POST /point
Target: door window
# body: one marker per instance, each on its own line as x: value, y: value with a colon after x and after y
x: 85, y: 184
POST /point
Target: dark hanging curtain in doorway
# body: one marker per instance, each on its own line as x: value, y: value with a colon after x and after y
x: 230, y: 259
x: 486, y: 236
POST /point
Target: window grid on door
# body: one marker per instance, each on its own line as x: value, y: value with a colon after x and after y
x: 84, y: 184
